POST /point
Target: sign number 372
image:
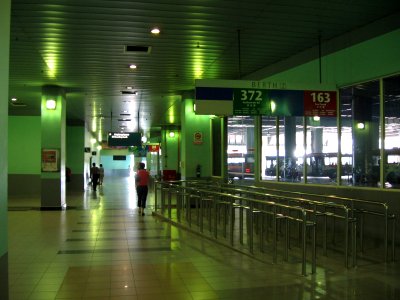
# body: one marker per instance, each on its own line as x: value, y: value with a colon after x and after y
x: 251, y: 95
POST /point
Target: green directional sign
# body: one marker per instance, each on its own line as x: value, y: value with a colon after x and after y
x: 251, y: 102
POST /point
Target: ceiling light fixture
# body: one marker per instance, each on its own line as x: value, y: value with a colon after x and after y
x: 132, y: 66
x: 129, y: 87
x: 13, y: 99
x: 155, y: 30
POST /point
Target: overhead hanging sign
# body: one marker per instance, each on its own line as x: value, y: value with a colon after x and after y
x: 254, y: 99
x: 124, y: 139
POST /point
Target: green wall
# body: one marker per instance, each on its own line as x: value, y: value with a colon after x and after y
x: 371, y: 59
x: 170, y: 150
x: 24, y: 145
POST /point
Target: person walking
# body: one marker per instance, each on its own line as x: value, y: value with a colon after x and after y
x: 94, y: 176
x: 101, y: 174
x: 142, y: 182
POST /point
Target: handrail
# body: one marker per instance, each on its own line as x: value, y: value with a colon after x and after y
x: 354, y: 209
x: 172, y: 187
x: 315, y: 213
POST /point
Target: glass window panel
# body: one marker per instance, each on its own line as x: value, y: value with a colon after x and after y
x: 241, y: 148
x: 291, y: 149
x: 321, y: 150
x: 361, y: 102
x: 269, y: 148
x: 346, y: 115
x: 391, y: 88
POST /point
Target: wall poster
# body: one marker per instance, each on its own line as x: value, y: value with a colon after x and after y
x: 50, y: 160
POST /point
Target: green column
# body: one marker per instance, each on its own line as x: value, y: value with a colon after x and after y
x: 53, y: 149
x: 5, y: 8
x: 196, y: 141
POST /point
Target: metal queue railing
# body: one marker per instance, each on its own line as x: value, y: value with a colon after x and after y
x: 358, y: 208
x: 315, y: 209
x: 216, y: 206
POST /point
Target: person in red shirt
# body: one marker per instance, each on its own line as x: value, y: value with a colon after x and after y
x: 142, y: 182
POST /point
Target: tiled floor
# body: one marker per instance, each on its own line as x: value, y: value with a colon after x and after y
x: 102, y: 249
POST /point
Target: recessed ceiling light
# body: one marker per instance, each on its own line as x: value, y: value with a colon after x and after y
x: 132, y: 66
x: 155, y: 31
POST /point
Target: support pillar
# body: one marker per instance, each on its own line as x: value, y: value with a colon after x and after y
x: 196, y: 141
x: 53, y: 123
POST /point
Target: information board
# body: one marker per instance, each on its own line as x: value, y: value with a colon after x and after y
x: 241, y: 97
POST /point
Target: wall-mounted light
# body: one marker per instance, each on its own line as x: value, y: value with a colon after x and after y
x: 14, y: 99
x: 171, y: 134
x: 194, y: 107
x: 51, y: 104
x: 360, y: 125
x: 273, y: 106
x: 316, y: 118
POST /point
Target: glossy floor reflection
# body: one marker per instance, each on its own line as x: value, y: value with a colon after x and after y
x: 102, y: 249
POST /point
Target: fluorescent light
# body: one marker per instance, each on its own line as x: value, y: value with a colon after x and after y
x: 51, y: 104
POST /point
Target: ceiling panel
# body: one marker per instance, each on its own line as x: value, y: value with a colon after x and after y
x: 80, y: 45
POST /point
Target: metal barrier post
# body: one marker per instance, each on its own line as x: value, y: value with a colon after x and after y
x: 393, y: 238
x: 362, y: 233
x: 314, y: 248
x: 274, y: 235
x: 386, y: 233
x: 232, y: 227
x: 155, y: 195
x: 354, y: 244
x: 250, y: 229
x: 241, y: 224
x: 304, y: 243
x: 286, y: 253
x: 346, y: 240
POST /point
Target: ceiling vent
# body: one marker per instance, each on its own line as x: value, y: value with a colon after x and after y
x: 138, y: 49
x: 129, y: 92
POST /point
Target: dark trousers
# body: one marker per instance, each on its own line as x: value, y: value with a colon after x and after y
x: 142, y: 191
x: 95, y: 181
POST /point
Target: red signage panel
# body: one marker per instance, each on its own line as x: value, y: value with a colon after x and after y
x: 320, y: 103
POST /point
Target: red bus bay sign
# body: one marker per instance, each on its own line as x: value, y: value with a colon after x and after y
x: 198, y: 138
x: 320, y: 103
